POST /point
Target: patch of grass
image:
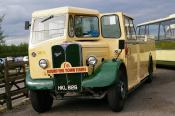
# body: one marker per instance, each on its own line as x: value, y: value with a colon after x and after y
x: 165, y: 45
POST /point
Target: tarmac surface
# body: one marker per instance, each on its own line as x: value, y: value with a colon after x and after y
x: 155, y: 99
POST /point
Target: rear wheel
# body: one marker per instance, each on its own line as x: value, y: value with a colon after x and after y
x: 41, y: 100
x: 118, y: 93
x: 150, y: 70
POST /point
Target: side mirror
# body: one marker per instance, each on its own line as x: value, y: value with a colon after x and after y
x: 27, y: 25
x: 121, y: 44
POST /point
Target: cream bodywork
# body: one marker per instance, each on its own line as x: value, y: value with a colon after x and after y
x: 165, y: 55
x: 136, y: 60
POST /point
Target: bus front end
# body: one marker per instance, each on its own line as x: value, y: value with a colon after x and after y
x: 67, y: 57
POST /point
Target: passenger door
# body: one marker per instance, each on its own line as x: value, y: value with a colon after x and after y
x: 132, y: 56
x: 111, y: 31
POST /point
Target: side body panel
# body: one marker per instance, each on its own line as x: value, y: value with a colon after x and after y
x: 165, y: 52
x: 144, y: 51
x: 132, y: 64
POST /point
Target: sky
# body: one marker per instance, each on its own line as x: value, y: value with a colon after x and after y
x: 18, y: 11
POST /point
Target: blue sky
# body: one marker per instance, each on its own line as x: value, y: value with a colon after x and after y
x: 17, y: 11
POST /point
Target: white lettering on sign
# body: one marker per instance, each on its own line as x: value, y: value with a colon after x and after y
x: 69, y: 87
x: 67, y: 68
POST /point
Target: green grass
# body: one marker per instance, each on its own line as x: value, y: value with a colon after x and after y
x: 165, y: 45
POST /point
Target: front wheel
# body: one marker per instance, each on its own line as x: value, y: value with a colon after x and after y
x: 118, y: 93
x: 41, y: 100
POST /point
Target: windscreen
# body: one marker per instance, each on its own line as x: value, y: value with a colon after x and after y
x: 86, y: 26
x: 48, y: 28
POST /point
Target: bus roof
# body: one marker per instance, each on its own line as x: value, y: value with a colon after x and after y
x: 129, y: 16
x: 62, y: 10
x: 172, y: 16
x: 117, y: 13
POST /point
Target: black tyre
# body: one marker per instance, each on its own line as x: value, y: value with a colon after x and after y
x: 118, y: 93
x: 41, y: 100
x: 150, y: 70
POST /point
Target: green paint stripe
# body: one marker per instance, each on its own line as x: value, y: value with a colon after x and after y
x: 38, y: 84
x: 105, y: 75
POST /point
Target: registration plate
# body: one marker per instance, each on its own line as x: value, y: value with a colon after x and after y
x: 68, y: 87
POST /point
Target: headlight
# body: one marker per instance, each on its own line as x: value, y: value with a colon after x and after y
x: 43, y: 63
x: 92, y: 60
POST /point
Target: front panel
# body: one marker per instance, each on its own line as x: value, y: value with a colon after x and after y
x: 71, y: 54
x: 58, y: 57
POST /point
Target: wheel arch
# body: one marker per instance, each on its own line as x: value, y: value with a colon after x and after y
x: 123, y: 67
x: 106, y: 75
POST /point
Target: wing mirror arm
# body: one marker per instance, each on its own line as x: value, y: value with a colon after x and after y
x: 121, y: 46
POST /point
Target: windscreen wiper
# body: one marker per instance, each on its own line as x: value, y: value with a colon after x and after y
x: 48, y: 18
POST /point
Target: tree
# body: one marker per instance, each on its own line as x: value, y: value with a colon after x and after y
x: 14, y: 50
x: 2, y: 36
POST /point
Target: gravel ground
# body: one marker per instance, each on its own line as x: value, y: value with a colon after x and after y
x: 155, y: 99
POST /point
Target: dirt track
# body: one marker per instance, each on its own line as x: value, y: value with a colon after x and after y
x: 157, y: 98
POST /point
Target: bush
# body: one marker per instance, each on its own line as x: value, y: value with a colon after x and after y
x: 13, y: 50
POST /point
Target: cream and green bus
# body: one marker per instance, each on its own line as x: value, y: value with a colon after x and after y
x: 163, y: 31
x: 82, y: 53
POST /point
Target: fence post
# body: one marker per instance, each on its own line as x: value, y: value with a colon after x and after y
x: 24, y: 71
x: 7, y: 86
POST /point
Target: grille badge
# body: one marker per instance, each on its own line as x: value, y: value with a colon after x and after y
x: 57, y: 54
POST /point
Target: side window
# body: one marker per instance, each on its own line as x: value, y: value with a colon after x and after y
x: 166, y: 30
x: 127, y: 27
x: 147, y: 30
x: 153, y: 31
x: 110, y: 26
x: 71, y: 26
x: 142, y: 30
x: 130, y: 30
x: 162, y: 32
